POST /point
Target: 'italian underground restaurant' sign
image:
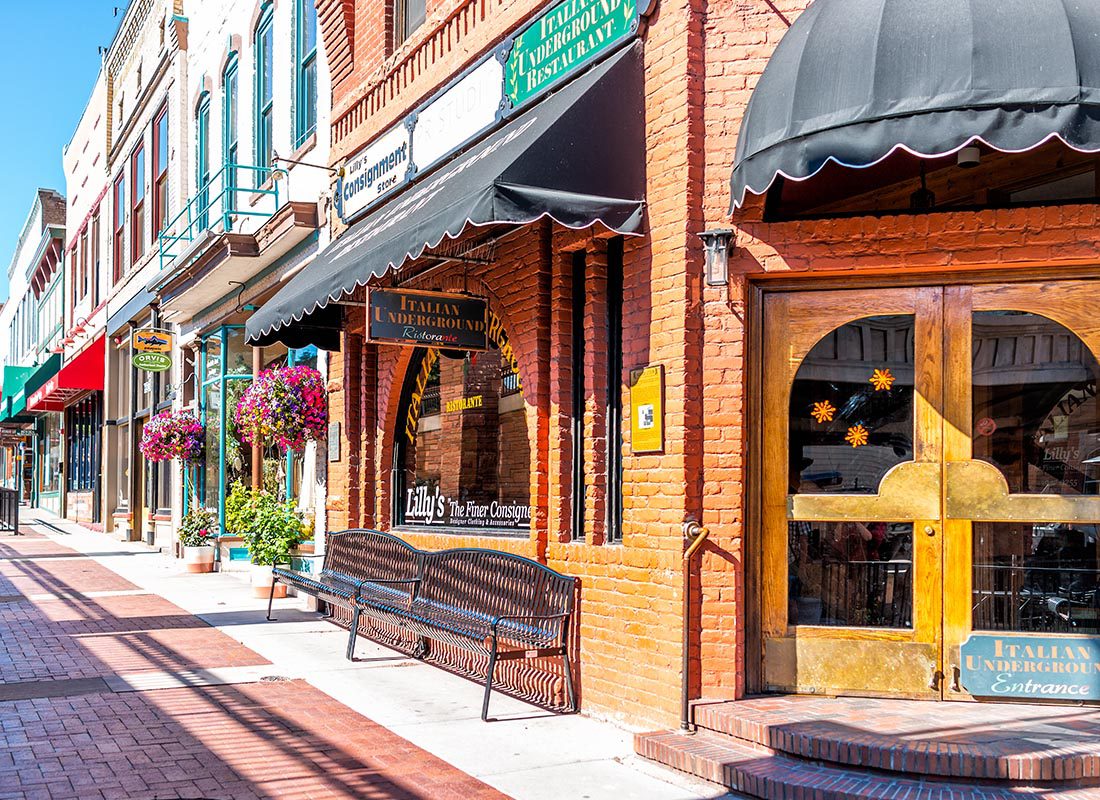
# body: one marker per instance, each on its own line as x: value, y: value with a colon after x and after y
x: 428, y: 319
x: 1031, y: 667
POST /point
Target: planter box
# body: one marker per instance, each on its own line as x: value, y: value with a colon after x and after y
x: 232, y: 554
x: 199, y: 559
x: 261, y: 582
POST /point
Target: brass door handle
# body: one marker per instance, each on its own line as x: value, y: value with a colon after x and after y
x: 928, y: 529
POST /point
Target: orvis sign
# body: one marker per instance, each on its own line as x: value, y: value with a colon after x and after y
x: 432, y: 319
x: 1031, y: 667
x: 554, y: 45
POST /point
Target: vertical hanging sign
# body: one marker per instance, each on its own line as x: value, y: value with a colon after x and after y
x: 563, y: 39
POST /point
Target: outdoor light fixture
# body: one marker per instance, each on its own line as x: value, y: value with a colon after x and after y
x: 923, y: 199
x: 716, y: 245
x: 279, y: 173
x: 970, y: 157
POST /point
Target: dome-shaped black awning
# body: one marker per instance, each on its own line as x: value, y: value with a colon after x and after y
x: 854, y: 80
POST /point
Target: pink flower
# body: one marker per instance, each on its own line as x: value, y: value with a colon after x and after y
x: 286, y: 407
x: 172, y: 435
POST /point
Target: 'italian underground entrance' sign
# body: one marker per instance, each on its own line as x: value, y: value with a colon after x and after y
x: 1031, y: 667
x: 428, y: 319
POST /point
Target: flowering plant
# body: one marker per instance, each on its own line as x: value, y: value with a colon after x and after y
x: 286, y: 406
x: 172, y: 434
x: 198, y: 526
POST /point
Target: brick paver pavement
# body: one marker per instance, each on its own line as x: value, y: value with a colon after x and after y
x: 69, y: 736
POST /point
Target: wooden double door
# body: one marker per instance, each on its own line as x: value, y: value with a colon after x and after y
x: 930, y: 470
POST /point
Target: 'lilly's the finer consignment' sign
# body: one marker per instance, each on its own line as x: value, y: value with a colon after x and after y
x: 1031, y: 667
x: 428, y: 319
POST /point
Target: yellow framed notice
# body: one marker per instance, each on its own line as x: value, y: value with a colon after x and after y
x: 647, y: 409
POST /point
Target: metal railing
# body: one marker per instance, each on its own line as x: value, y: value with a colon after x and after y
x: 1017, y: 597
x: 9, y: 511
x: 219, y: 200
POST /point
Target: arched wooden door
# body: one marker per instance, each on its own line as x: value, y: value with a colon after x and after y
x: 931, y: 477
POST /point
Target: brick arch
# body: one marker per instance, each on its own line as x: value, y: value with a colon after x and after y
x: 392, y: 369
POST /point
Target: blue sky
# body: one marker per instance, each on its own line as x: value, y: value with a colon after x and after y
x: 48, y: 59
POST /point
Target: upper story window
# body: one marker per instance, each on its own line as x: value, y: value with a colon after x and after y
x: 230, y: 128
x: 93, y: 258
x: 118, y: 240
x: 408, y: 16
x: 81, y: 287
x: 305, y: 71
x: 202, y: 161
x: 137, y: 204
x: 160, y: 171
x: 264, y: 55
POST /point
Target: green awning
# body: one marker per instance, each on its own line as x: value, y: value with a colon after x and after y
x: 39, y: 375
x: 15, y: 378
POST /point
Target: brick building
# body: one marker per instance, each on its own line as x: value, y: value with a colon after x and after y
x: 865, y: 411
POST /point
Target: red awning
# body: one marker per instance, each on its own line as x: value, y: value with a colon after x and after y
x: 83, y: 373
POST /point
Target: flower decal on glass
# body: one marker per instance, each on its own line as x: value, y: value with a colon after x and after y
x: 823, y: 411
x: 286, y: 407
x: 856, y: 436
x: 882, y: 380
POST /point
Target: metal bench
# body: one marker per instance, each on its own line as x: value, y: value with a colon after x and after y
x: 361, y: 568
x: 495, y: 604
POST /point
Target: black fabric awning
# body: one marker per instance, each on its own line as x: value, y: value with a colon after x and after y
x: 854, y: 80
x: 576, y: 157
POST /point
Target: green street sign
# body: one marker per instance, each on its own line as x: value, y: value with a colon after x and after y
x: 562, y: 40
x: 152, y: 362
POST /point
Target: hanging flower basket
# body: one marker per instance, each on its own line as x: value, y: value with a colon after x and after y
x: 286, y: 407
x: 172, y: 434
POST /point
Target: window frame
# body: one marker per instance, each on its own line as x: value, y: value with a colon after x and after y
x: 264, y: 97
x: 305, y: 107
x: 137, y: 204
x: 403, y: 26
x: 231, y: 129
x: 118, y: 235
x: 202, y: 162
x: 160, y: 172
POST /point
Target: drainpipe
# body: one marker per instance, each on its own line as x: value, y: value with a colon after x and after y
x: 695, y: 534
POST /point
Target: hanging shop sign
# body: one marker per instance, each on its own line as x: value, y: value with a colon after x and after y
x: 551, y: 48
x: 563, y: 39
x: 433, y: 319
x: 151, y: 340
x: 376, y: 170
x: 428, y: 505
x: 647, y: 409
x: 152, y: 362
x: 1031, y: 667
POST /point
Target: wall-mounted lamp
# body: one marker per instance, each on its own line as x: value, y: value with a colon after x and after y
x: 969, y: 157
x: 716, y: 246
x: 279, y: 173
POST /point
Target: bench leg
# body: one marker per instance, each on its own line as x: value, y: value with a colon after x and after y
x: 489, y: 682
x: 353, y: 633
x: 569, y: 690
x: 271, y: 599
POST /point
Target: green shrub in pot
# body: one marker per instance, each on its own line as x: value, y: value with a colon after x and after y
x: 197, y: 527
x: 270, y: 529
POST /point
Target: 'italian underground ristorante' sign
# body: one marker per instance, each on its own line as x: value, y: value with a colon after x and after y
x: 1032, y: 667
x: 428, y: 319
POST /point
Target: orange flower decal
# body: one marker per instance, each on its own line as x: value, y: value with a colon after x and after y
x: 856, y: 436
x: 882, y: 380
x: 823, y: 411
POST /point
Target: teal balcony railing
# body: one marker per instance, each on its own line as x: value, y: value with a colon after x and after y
x: 233, y: 192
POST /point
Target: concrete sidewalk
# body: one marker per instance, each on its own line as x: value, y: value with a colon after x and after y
x: 527, y: 753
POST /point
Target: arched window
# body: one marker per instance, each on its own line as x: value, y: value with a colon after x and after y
x: 463, y: 450
x: 305, y: 71
x: 264, y: 44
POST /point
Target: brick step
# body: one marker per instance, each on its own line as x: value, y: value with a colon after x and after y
x: 760, y: 772
x: 946, y: 740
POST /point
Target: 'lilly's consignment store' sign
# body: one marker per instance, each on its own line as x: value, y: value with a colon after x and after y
x: 1031, y: 667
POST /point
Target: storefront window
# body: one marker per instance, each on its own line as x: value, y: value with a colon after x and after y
x: 122, y: 442
x: 466, y: 457
x: 238, y: 355
x: 851, y: 412
x: 49, y: 469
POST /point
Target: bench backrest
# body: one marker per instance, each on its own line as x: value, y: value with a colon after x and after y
x: 362, y: 553
x: 493, y: 583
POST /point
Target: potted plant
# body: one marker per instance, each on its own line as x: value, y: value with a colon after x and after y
x: 196, y: 530
x: 284, y: 407
x: 270, y: 529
